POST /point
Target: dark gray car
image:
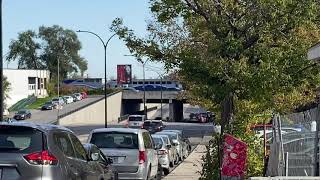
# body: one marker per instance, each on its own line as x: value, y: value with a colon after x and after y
x: 34, y: 152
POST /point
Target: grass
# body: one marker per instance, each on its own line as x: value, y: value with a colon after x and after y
x: 39, y: 102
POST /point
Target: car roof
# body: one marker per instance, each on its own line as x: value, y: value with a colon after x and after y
x: 150, y: 120
x: 124, y: 130
x: 166, y: 132
x: 136, y: 115
x: 41, y: 127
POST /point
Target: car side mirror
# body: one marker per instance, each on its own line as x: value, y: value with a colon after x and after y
x: 175, y: 144
x: 158, y: 146
x: 110, y: 161
x: 169, y: 146
x: 94, y: 156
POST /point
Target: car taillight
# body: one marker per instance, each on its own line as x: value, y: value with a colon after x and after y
x: 41, y: 158
x: 162, y: 152
x: 142, y: 157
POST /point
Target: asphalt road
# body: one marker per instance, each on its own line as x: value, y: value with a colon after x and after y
x: 49, y: 116
x: 196, y: 132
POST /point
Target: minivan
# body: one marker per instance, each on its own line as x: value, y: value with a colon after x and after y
x: 132, y: 151
x: 30, y: 151
x: 136, y: 121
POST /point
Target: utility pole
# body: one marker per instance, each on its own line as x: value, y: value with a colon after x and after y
x: 1, y: 68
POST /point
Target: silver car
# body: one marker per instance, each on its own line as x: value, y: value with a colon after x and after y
x: 34, y: 152
x: 172, y: 151
x: 163, y: 153
x: 177, y: 142
x: 132, y: 151
x: 186, y: 147
x: 136, y: 121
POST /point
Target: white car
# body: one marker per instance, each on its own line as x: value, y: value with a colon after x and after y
x: 58, y: 101
x: 132, y: 151
x: 68, y: 99
x: 163, y: 153
x: 136, y: 121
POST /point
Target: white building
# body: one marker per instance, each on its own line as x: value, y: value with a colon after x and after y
x: 26, y: 82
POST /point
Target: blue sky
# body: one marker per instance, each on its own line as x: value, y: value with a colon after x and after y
x: 93, y: 15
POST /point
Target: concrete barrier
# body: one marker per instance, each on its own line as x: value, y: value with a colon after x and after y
x: 94, y: 113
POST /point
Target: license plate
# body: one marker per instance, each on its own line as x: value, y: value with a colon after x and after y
x: 118, y: 159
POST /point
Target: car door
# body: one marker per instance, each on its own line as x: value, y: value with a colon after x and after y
x: 87, y: 169
x: 151, y: 152
x: 104, y: 163
x: 63, y: 143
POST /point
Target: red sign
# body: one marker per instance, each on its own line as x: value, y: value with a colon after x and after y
x: 124, y: 74
x: 234, y: 157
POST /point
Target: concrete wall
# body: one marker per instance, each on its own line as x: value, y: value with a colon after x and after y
x: 94, y: 114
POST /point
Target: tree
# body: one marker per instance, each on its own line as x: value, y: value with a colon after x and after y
x: 42, y: 50
x: 6, y: 89
x: 238, y: 57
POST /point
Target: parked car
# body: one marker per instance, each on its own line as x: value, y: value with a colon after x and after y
x: 186, y: 145
x: 78, y: 96
x: 84, y: 95
x: 132, y: 151
x: 75, y: 98
x: 153, y: 126
x: 30, y: 151
x: 136, y: 121
x: 22, y: 114
x: 174, y: 159
x: 177, y: 142
x: 49, y: 106
x: 105, y: 163
x: 68, y: 99
x: 59, y: 101
x: 163, y: 153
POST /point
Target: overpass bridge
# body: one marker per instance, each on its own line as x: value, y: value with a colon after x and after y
x: 132, y: 100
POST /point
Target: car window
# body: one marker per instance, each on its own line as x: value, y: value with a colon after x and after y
x: 78, y: 148
x: 135, y: 119
x: 148, y: 143
x: 15, y: 139
x: 157, y: 140
x: 64, y: 144
x: 118, y: 140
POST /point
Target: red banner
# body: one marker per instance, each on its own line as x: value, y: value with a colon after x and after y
x: 234, y: 157
x: 124, y: 74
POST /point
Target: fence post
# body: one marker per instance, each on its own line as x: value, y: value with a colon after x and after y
x: 316, y: 144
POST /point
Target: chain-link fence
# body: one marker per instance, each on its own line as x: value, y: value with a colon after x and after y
x: 292, y: 144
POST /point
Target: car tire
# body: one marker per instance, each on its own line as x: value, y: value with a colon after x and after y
x: 166, y: 171
x: 159, y: 173
x: 171, y: 164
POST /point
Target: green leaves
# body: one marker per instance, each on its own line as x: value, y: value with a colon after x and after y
x: 42, y: 50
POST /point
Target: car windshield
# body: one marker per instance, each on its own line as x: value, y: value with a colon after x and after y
x: 172, y: 136
x: 48, y: 103
x: 151, y: 124
x: 55, y: 99
x: 115, y: 140
x: 135, y: 118
x: 15, y: 139
x: 157, y: 140
x: 22, y: 112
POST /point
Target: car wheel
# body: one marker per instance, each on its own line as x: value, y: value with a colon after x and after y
x: 171, y: 164
x: 166, y: 171
x: 159, y: 172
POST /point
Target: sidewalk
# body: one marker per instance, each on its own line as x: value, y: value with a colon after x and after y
x: 189, y: 168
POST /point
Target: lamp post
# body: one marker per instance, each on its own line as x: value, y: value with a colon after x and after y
x: 105, y: 45
x: 1, y: 67
x: 144, y: 85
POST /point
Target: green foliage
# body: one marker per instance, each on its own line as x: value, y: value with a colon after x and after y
x: 255, y: 50
x: 42, y: 50
x: 6, y: 88
x: 39, y: 102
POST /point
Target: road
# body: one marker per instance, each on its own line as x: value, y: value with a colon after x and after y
x: 196, y: 132
x: 49, y: 116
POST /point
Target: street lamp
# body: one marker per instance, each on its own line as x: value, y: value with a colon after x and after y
x: 161, y: 92
x: 1, y: 67
x: 144, y: 84
x: 105, y: 45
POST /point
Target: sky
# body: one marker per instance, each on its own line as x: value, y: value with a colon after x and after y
x: 92, y: 15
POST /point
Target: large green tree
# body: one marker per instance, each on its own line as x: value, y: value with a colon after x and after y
x: 6, y: 89
x: 240, y: 57
x: 43, y: 49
